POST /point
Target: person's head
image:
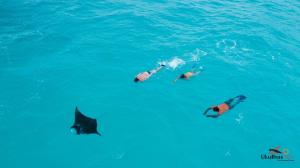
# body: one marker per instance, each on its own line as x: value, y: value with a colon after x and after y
x: 182, y: 76
x: 216, y: 109
x: 136, y: 79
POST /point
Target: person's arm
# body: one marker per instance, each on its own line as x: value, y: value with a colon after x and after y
x: 160, y: 67
x: 207, y: 110
x: 157, y: 69
x: 197, y: 71
x: 213, y: 116
x: 176, y: 79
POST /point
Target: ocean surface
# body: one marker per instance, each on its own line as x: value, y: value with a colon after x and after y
x: 58, y: 54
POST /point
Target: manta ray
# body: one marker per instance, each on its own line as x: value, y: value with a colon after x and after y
x: 84, y: 124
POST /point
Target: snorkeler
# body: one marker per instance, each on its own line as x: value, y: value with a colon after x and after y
x: 224, y: 107
x: 187, y: 75
x: 145, y: 75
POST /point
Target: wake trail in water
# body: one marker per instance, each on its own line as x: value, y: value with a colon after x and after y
x: 179, y: 61
x: 226, y: 45
x: 233, y: 53
x: 175, y: 62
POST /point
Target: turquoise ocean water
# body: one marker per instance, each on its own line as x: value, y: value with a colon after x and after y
x: 55, y: 55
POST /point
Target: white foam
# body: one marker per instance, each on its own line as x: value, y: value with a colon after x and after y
x: 240, y: 118
x: 197, y: 54
x: 246, y: 49
x: 175, y: 62
x: 226, y: 44
x: 273, y: 57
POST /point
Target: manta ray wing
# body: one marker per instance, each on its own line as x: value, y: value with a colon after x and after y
x: 84, y: 124
x: 80, y: 118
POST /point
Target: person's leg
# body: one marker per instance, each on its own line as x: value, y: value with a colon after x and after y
x: 241, y: 97
x: 236, y: 100
x: 155, y: 70
x: 228, y: 102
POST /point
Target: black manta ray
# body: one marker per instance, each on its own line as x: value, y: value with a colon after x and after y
x: 84, y: 124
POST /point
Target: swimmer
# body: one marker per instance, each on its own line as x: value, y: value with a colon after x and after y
x: 141, y: 77
x: 224, y: 107
x: 187, y: 75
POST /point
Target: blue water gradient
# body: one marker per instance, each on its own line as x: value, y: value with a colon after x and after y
x: 55, y: 55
